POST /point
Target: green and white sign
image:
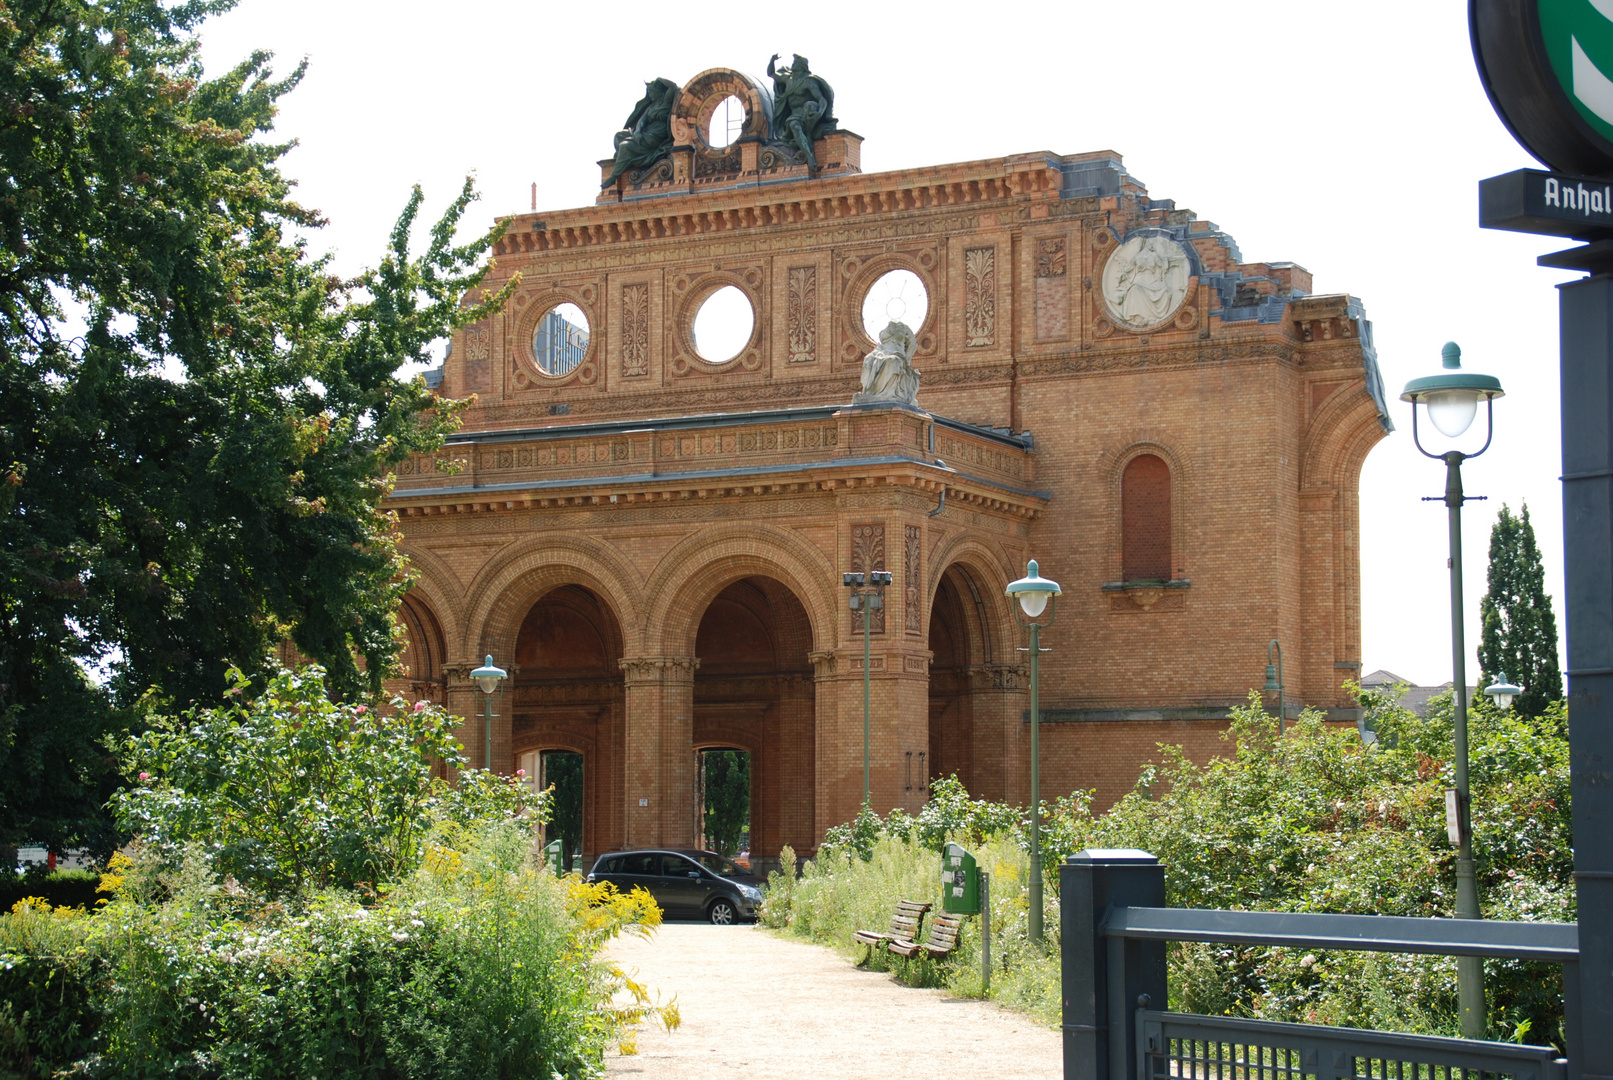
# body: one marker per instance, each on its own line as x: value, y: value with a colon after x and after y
x: 1578, y: 36
x: 1548, y: 68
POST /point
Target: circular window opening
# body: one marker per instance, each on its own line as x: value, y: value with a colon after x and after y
x: 898, y: 296
x: 726, y: 123
x: 560, y: 340
x: 723, y: 325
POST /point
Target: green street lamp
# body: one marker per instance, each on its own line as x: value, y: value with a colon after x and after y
x: 1035, y: 594
x: 867, y: 595
x: 489, y: 678
x: 1452, y: 399
x: 1502, y: 692
x: 1274, y: 681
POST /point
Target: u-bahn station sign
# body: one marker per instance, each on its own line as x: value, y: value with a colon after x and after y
x: 745, y: 367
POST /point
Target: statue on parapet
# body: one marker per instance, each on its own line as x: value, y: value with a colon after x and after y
x: 803, y: 106
x: 888, y: 373
x: 646, y: 135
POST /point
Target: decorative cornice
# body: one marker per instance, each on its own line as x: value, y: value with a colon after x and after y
x: 659, y: 669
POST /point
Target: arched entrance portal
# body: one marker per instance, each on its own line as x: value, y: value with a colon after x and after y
x: 974, y: 696
x: 569, y: 697
x: 753, y: 691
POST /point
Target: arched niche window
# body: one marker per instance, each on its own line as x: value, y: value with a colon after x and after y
x: 1145, y: 520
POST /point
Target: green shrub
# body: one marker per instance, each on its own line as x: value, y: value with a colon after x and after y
x: 1314, y: 821
x: 58, y: 888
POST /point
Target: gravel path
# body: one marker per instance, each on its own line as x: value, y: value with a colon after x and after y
x: 761, y: 1006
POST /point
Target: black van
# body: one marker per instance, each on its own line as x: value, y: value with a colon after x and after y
x: 698, y: 884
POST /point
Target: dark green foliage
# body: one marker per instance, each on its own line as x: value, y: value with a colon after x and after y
x: 197, y: 419
x: 727, y: 783
x: 562, y: 770
x: 1519, y: 635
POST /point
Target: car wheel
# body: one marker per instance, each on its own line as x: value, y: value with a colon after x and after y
x: 723, y: 913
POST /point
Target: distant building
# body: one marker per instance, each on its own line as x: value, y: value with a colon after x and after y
x: 1415, y: 698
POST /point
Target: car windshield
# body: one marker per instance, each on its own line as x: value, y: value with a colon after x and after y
x: 717, y: 864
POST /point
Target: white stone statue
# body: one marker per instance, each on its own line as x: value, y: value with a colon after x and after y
x: 1145, y: 281
x: 888, y: 373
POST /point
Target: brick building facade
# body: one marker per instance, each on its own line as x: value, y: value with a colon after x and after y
x: 652, y: 542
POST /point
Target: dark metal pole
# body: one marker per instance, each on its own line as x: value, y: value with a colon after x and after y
x: 1036, y: 791
x: 1586, y: 312
x: 487, y: 732
x: 866, y: 636
x: 1469, y: 969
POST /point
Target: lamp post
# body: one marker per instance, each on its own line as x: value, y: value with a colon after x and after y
x: 1502, y: 692
x: 1452, y: 399
x: 489, y: 678
x: 867, y: 594
x: 1274, y: 681
x: 1035, y: 594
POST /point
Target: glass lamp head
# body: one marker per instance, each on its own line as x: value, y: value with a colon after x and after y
x: 487, y: 676
x: 1502, y: 692
x: 1453, y: 396
x: 1271, y: 679
x: 1033, y: 591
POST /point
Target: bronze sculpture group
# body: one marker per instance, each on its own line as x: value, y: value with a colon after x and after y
x: 802, y: 112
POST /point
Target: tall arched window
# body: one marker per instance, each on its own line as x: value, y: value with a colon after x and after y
x: 1145, y: 520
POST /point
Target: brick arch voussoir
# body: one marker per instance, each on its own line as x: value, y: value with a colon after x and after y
x: 574, y: 744
x: 501, y: 596
x: 992, y: 569
x: 724, y: 737
x: 435, y: 588
x: 1339, y: 437
x: 693, y: 573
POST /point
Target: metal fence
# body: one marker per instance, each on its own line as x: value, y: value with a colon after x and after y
x: 1115, y: 927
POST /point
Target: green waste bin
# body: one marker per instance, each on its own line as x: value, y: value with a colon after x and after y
x: 960, y: 882
x: 554, y: 856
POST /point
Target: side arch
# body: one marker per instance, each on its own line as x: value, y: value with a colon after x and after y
x: 990, y: 566
x: 1112, y: 469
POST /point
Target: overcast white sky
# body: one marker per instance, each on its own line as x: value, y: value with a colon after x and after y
x: 1349, y: 138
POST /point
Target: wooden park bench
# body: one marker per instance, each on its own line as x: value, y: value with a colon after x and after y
x: 943, y: 939
x: 906, y: 922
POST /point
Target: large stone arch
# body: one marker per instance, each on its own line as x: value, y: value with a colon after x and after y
x: 519, y: 576
x: 696, y: 570
x: 436, y: 584
x: 975, y: 690
x: 1344, y: 430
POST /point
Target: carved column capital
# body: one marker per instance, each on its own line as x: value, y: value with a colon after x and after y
x: 656, y: 669
x: 823, y: 663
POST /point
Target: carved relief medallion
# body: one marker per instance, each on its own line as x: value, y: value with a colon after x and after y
x: 1145, y: 282
x: 980, y: 296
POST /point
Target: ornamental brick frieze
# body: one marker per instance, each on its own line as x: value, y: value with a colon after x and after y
x: 567, y: 692
x: 659, y: 669
x: 1006, y: 678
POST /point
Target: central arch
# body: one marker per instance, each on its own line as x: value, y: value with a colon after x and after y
x: 754, y: 691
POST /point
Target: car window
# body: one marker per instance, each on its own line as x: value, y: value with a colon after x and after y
x: 641, y: 863
x: 676, y: 866
x: 717, y: 864
x: 609, y: 866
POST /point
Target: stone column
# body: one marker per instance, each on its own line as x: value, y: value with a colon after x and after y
x: 825, y: 735
x: 658, y: 753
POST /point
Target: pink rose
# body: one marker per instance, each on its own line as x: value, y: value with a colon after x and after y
x: 420, y: 706
x: 520, y: 772
x: 362, y: 709
x: 145, y: 776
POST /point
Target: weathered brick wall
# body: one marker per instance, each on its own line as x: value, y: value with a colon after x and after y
x: 686, y: 532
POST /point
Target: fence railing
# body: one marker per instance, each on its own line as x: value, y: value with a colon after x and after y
x: 1115, y: 926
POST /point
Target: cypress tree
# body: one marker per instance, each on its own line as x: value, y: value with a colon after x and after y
x: 1519, y: 636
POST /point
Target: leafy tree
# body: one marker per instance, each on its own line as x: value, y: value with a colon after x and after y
x: 727, y: 783
x: 1519, y: 636
x: 292, y: 792
x: 197, y: 418
x: 562, y: 769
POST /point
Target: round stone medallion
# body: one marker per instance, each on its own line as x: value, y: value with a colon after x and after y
x: 1145, y: 282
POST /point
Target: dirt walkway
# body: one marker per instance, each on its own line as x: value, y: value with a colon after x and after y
x: 762, y: 1007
